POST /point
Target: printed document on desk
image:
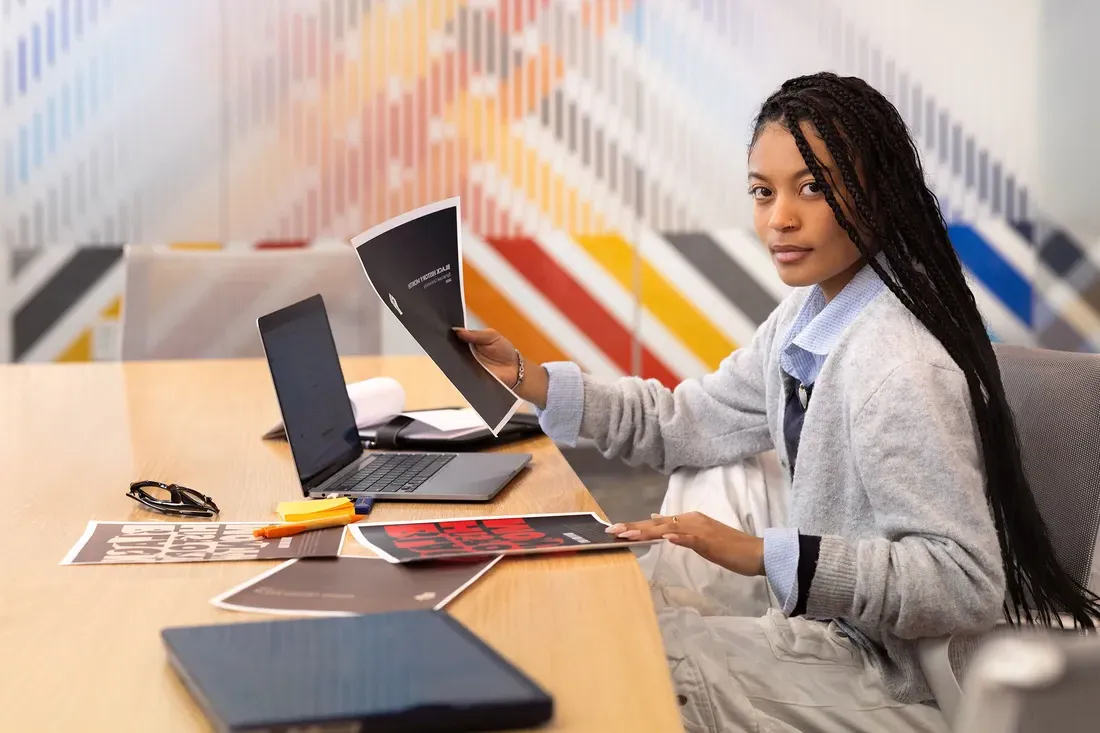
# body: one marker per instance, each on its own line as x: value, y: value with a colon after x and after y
x: 447, y: 539
x: 342, y: 586
x: 414, y: 264
x: 122, y: 543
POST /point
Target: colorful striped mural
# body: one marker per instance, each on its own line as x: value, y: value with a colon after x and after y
x: 598, y: 147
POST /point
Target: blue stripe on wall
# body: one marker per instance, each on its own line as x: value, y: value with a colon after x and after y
x: 51, y: 126
x: 9, y: 169
x: 64, y: 25
x: 36, y: 51
x: 50, y: 33
x: 79, y: 99
x: 24, y: 155
x: 9, y: 79
x: 22, y: 65
x: 37, y: 139
x: 66, y: 112
x: 107, y: 71
x: 993, y: 271
x: 93, y: 85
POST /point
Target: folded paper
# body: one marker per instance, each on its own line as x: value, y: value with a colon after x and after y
x: 374, y: 401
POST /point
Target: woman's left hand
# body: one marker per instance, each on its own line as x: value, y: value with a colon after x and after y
x: 720, y: 543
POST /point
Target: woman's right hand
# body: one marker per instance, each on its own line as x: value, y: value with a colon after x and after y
x: 501, y: 358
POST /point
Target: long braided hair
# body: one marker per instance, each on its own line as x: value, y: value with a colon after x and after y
x: 893, y: 209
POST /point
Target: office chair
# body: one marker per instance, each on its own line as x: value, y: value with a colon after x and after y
x: 1055, y: 400
x: 1038, y: 682
x: 203, y: 304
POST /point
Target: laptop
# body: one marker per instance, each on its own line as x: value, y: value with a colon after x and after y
x: 324, y: 440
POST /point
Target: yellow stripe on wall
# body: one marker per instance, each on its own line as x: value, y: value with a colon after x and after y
x: 113, y: 311
x: 678, y: 314
x: 78, y: 350
x: 195, y: 245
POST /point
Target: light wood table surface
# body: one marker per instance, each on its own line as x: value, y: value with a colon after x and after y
x: 80, y: 644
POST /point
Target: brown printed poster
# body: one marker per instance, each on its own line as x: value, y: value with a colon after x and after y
x: 123, y: 543
x: 401, y: 542
x: 345, y: 586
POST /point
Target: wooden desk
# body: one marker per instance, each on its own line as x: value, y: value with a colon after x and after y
x: 80, y: 644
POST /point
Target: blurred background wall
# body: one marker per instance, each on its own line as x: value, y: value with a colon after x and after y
x: 598, y: 147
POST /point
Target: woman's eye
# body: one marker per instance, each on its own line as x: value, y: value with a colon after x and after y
x: 811, y: 188
x: 759, y: 192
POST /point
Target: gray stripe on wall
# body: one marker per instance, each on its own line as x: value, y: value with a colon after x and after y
x: 1057, y: 334
x: 22, y: 257
x: 723, y: 271
x: 67, y: 286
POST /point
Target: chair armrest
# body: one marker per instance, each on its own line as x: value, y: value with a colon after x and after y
x: 935, y: 657
x: 935, y: 663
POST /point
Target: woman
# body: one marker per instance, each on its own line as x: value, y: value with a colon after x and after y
x: 876, y: 383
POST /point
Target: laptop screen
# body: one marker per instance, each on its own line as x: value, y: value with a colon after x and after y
x: 309, y: 384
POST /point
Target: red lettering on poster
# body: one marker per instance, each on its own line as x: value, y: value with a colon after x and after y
x: 486, y: 537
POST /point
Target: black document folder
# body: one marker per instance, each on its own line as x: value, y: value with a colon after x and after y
x: 388, y: 672
x: 407, y: 433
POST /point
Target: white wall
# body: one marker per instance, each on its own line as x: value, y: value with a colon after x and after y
x: 1068, y: 108
x: 979, y: 58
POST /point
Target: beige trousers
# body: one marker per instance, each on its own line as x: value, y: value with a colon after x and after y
x: 737, y: 663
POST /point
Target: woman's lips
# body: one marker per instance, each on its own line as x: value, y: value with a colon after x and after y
x: 786, y: 255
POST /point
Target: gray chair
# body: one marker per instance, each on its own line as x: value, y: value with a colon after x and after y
x: 199, y: 304
x: 1042, y: 682
x: 1055, y: 399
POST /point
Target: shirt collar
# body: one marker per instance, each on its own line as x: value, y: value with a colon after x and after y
x: 819, y: 325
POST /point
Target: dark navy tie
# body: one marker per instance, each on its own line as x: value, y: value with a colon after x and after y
x: 798, y: 399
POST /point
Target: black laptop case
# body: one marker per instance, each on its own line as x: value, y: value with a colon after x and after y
x: 386, y: 673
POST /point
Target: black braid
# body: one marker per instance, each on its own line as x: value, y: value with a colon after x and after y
x: 887, y: 207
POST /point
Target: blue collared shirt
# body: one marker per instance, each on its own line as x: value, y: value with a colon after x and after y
x: 802, y: 352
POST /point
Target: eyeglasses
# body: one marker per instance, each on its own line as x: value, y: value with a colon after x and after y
x: 181, y: 500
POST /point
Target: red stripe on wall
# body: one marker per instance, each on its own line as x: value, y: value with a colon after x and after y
x: 311, y: 136
x: 325, y: 177
x: 577, y: 305
x: 340, y: 175
x: 471, y: 207
x: 296, y: 30
x: 514, y: 14
x: 489, y: 305
x: 379, y: 122
x: 418, y: 144
x: 311, y: 48
x: 410, y: 130
x: 354, y: 163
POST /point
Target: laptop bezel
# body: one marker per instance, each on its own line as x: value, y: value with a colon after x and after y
x: 264, y: 325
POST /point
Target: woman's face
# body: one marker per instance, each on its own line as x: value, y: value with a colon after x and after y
x: 791, y: 216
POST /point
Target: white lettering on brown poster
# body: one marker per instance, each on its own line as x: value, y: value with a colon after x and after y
x: 119, y: 543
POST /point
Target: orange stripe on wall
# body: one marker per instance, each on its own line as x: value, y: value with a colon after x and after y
x: 202, y: 246
x: 494, y: 310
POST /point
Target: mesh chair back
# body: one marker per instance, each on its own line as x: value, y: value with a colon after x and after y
x: 181, y: 304
x: 1055, y: 399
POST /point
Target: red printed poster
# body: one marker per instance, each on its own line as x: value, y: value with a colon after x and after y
x: 401, y: 542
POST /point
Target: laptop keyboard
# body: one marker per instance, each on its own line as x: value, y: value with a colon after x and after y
x: 396, y: 472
